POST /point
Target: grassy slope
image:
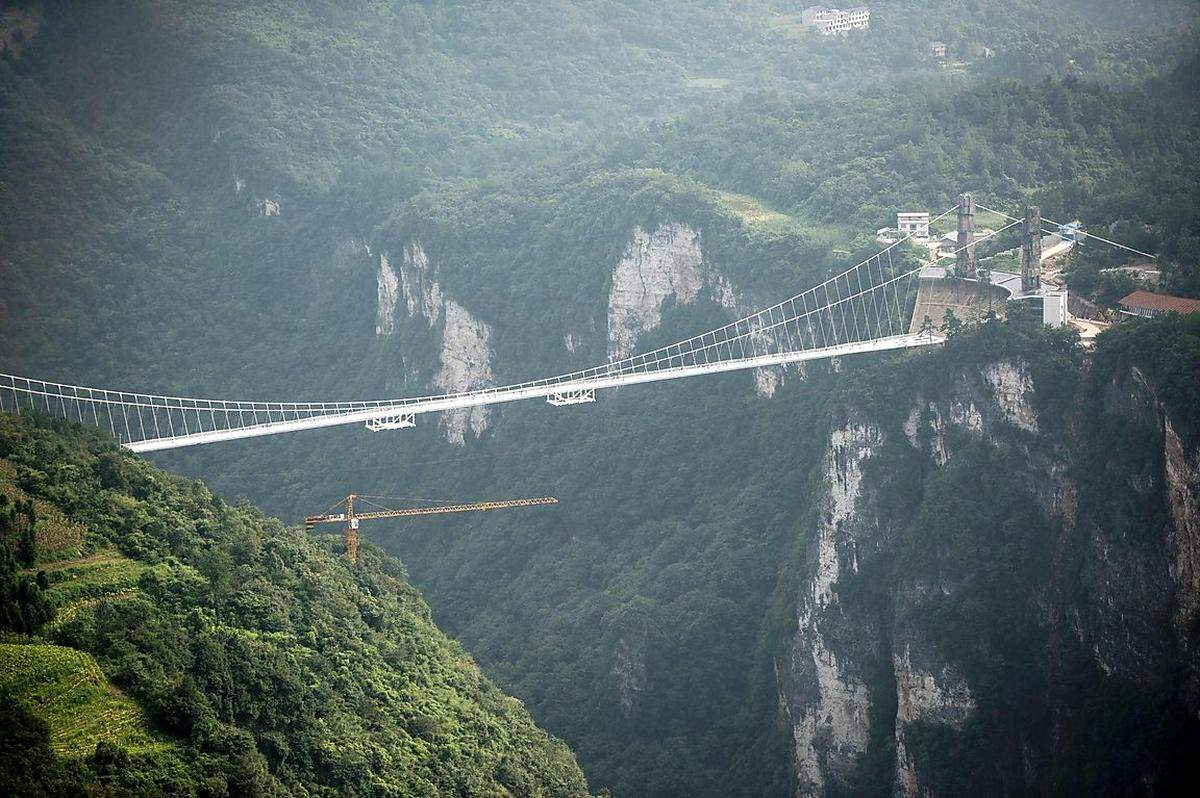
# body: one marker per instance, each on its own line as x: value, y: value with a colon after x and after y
x: 68, y: 690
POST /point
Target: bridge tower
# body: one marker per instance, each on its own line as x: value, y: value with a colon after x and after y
x: 351, y: 533
x: 1031, y: 249
x: 966, y: 265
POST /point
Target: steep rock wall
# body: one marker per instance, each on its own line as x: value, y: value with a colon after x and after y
x: 387, y: 296
x: 668, y: 262
x: 826, y: 699
x: 932, y: 693
x: 466, y: 365
x: 1182, y: 468
x: 464, y: 343
x: 1110, y: 609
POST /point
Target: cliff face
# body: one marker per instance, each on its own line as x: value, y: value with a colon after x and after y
x: 980, y: 569
x: 1143, y: 540
x: 463, y: 342
x: 828, y: 701
x: 668, y: 264
x: 665, y: 265
x: 1182, y: 470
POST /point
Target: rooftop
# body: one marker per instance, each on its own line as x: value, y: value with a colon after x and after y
x: 1161, y: 302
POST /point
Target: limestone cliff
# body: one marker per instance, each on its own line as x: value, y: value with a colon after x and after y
x: 1182, y: 468
x: 657, y: 265
x: 931, y: 692
x: 463, y: 342
x: 922, y: 569
x: 466, y: 365
x: 668, y: 263
x: 828, y: 702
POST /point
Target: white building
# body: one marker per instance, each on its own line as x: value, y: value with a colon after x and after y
x: 1054, y: 308
x: 914, y: 224
x: 827, y: 21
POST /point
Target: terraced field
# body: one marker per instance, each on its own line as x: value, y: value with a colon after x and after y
x: 94, y: 576
x: 56, y: 535
x: 750, y: 210
x: 79, y: 584
x: 67, y: 689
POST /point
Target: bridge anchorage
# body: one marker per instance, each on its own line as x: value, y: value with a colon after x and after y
x: 873, y: 306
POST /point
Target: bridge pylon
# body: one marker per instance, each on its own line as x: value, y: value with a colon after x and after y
x: 966, y: 264
x: 1031, y: 249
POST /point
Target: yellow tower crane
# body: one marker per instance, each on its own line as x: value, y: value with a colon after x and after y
x: 350, y: 516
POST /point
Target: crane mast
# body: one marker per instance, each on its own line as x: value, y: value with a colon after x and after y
x: 351, y: 517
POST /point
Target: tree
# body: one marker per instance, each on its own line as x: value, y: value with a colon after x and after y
x: 950, y: 323
x: 927, y: 326
x: 1020, y: 314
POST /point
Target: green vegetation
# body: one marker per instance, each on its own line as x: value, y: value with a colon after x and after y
x: 71, y: 582
x: 250, y: 659
x: 67, y: 689
x: 520, y: 143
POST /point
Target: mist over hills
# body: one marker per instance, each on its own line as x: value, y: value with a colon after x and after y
x: 351, y: 200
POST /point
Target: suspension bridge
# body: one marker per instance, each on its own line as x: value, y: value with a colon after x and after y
x: 869, y: 307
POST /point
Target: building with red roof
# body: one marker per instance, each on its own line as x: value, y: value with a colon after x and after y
x: 1149, y: 304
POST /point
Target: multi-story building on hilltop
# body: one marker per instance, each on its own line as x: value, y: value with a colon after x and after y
x: 827, y: 21
x: 915, y: 224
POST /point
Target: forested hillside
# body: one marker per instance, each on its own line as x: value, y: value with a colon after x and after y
x: 172, y: 644
x: 350, y: 200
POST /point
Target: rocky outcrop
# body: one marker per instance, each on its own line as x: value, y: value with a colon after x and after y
x: 1182, y: 469
x: 1137, y: 585
x: 657, y: 265
x: 422, y: 294
x: 466, y: 365
x: 826, y: 698
x: 1108, y: 592
x: 768, y: 379
x: 660, y: 265
x: 850, y: 656
x: 464, y: 343
x: 1135, y: 579
x: 629, y: 671
x: 1011, y: 386
x: 932, y: 418
x: 387, y: 295
x: 1008, y: 387
x: 925, y: 693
